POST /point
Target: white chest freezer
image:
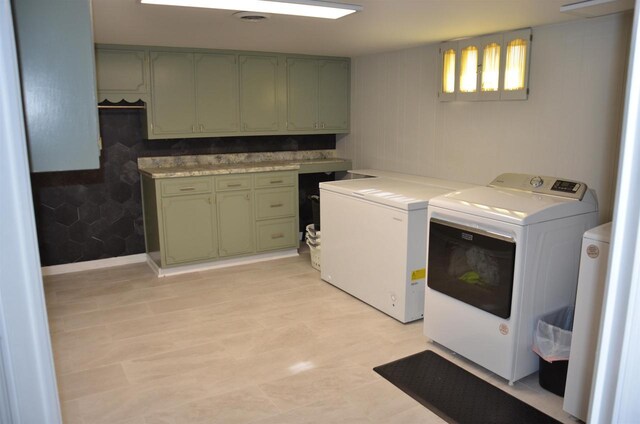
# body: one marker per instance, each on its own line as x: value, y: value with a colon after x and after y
x: 374, y: 235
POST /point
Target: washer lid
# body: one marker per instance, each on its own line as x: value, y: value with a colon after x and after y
x: 391, y: 192
x: 514, y: 206
x: 600, y: 233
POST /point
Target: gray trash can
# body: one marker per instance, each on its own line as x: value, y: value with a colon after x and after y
x: 552, y: 342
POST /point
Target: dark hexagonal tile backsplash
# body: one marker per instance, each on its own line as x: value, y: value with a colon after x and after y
x: 97, y: 214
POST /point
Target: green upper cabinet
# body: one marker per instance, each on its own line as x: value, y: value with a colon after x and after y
x: 216, y: 92
x: 334, y: 86
x: 193, y: 94
x: 317, y: 95
x: 259, y: 93
x: 173, y: 97
x: 122, y: 74
x: 57, y: 69
x: 302, y: 94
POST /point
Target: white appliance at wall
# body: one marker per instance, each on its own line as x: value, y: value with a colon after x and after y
x: 586, y: 322
x: 499, y: 257
x: 374, y: 239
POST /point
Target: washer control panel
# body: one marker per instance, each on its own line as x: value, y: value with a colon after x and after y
x: 541, y: 184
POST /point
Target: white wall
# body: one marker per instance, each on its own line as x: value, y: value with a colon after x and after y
x: 569, y: 127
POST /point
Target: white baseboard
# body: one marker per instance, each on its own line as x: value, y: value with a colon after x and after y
x: 163, y: 272
x: 223, y: 263
x: 97, y: 264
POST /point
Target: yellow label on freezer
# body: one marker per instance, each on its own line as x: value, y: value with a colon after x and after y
x: 418, y: 274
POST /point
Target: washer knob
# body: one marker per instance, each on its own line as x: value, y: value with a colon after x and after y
x: 536, y: 181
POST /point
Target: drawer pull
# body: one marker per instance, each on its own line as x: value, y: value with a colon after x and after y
x: 234, y: 185
x: 276, y: 182
x: 277, y: 205
x: 277, y: 236
x: 187, y: 188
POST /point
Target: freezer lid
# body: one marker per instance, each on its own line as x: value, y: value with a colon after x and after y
x: 391, y: 192
x: 430, y: 181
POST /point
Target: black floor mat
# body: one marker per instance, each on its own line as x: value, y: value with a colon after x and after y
x: 456, y: 395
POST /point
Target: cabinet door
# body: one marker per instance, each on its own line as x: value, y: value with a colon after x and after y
x: 173, y: 93
x: 333, y: 94
x: 189, y: 224
x: 235, y: 223
x: 216, y: 92
x: 55, y: 45
x: 302, y: 94
x: 258, y: 93
x: 121, y: 71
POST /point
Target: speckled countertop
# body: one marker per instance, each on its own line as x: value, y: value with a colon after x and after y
x: 237, y: 163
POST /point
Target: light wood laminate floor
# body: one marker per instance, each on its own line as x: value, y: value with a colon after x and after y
x: 264, y: 343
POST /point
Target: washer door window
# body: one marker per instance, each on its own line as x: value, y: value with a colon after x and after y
x: 471, y: 265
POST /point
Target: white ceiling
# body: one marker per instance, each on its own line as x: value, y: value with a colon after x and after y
x: 382, y: 25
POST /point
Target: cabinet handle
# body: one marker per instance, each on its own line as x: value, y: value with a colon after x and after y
x: 276, y: 182
x: 201, y: 128
x: 277, y: 236
x: 323, y: 125
x: 234, y: 185
x: 187, y: 188
x: 315, y: 125
x: 277, y: 205
x: 193, y: 128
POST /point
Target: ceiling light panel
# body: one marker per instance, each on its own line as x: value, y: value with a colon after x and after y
x: 309, y: 8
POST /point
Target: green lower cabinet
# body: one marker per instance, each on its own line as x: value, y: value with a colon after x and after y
x: 275, y: 203
x: 276, y: 234
x: 189, y: 228
x: 276, y: 210
x: 189, y: 220
x: 235, y: 222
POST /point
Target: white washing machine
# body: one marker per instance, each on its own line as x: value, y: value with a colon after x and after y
x: 498, y: 258
x: 586, y: 323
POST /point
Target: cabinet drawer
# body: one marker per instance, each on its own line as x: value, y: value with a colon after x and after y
x: 275, y: 179
x: 276, y: 234
x: 275, y: 203
x: 233, y: 182
x: 181, y: 186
